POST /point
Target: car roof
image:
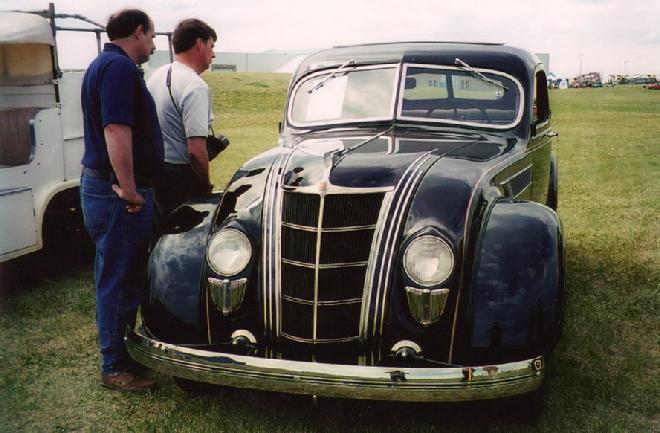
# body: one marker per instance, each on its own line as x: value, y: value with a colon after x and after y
x: 505, y: 58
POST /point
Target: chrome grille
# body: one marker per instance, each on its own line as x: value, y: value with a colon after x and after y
x: 325, y: 246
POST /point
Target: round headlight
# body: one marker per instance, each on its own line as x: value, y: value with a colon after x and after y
x: 228, y: 252
x: 428, y: 260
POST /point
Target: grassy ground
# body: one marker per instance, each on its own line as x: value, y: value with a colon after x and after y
x: 604, y: 375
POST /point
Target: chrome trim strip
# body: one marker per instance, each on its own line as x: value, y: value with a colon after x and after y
x: 331, y: 380
x: 519, y: 172
x: 10, y: 191
x: 323, y: 266
x: 373, y: 258
x: 414, y: 174
x: 384, y: 225
x: 506, y: 183
x: 277, y: 215
x: 267, y: 241
x: 523, y: 190
x: 521, y: 103
x: 400, y: 220
x: 271, y: 239
x: 327, y: 303
x: 334, y: 189
x: 329, y: 230
x: 319, y: 340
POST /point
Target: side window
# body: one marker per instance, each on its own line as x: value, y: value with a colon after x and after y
x: 541, y: 105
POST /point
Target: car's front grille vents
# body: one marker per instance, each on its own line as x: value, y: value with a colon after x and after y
x: 301, y: 209
x: 325, y: 247
x: 345, y: 210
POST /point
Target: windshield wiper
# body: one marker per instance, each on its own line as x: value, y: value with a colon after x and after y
x: 342, y: 68
x: 478, y: 74
x: 338, y: 156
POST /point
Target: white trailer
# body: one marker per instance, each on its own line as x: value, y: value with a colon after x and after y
x: 41, y: 133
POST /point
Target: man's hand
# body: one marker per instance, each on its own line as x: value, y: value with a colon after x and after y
x: 120, y: 150
x: 135, y: 202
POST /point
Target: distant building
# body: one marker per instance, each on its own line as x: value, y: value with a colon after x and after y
x: 269, y: 61
x: 273, y: 61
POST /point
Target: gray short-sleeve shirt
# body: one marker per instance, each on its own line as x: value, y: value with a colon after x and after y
x: 192, y: 97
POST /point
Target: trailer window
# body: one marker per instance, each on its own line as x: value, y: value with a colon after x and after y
x: 25, y: 64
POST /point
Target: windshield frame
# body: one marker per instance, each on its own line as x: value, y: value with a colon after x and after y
x: 393, y: 104
x: 402, y: 79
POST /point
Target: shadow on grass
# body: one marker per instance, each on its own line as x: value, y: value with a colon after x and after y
x: 289, y: 412
x: 51, y: 262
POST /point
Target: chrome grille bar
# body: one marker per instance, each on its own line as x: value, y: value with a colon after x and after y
x: 316, y: 270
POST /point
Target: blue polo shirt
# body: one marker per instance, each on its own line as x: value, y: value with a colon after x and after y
x: 113, y: 91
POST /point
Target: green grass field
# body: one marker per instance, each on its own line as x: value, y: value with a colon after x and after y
x: 604, y: 376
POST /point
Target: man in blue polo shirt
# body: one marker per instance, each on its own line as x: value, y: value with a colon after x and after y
x: 123, y: 153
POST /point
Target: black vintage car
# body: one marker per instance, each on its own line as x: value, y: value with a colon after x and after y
x: 401, y: 242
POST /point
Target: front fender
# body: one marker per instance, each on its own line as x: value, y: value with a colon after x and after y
x: 516, y: 300
x: 174, y: 308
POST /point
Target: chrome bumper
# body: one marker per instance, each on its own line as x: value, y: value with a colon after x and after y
x: 331, y: 380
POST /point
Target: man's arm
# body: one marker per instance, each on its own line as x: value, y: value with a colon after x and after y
x: 120, y: 149
x: 199, y: 159
x: 195, y: 105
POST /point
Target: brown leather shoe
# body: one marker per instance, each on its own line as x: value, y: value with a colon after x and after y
x: 126, y: 382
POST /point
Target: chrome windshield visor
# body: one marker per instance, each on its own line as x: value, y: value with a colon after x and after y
x: 333, y: 380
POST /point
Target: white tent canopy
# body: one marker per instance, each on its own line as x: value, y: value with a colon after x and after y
x: 24, y: 28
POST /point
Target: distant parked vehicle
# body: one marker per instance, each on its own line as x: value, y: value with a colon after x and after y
x: 654, y: 86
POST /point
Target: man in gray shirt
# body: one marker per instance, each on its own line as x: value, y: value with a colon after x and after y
x: 183, y: 104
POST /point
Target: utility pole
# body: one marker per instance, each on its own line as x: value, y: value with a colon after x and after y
x: 625, y: 68
x: 581, y: 63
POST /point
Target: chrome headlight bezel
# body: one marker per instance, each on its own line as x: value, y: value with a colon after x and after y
x: 220, y: 239
x: 446, y: 255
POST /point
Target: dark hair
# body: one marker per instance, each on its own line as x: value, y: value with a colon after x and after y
x: 187, y: 31
x: 124, y: 22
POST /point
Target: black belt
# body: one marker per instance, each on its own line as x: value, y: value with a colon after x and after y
x: 111, y: 177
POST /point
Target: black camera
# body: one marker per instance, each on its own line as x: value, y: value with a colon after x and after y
x: 216, y: 144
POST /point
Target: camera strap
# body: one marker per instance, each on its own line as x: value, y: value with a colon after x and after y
x: 168, y: 82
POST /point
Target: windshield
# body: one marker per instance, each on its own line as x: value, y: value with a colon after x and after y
x: 429, y: 93
x: 456, y: 96
x: 361, y: 94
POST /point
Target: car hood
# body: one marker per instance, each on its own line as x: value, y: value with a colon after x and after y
x: 372, y: 161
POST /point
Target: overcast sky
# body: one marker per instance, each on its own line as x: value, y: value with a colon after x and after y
x: 607, y: 36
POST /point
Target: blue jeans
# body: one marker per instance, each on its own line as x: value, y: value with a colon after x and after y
x: 122, y: 244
